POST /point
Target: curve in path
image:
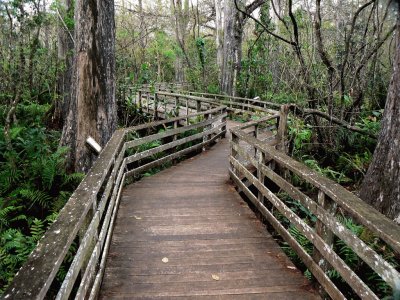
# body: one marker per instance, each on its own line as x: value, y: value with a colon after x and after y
x: 185, y: 232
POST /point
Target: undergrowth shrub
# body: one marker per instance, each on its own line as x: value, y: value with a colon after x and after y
x: 370, y: 277
x: 34, y: 186
x: 347, y: 160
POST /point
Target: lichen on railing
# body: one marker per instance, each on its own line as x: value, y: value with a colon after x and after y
x: 280, y: 187
x: 88, y: 217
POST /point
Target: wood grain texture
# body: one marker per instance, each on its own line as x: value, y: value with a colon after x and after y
x: 192, y: 215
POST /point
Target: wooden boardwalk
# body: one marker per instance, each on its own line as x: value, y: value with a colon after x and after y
x: 185, y: 232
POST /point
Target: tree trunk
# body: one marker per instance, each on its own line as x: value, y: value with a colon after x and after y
x: 233, y: 35
x: 65, y: 57
x: 92, y: 110
x: 232, y: 48
x: 381, y: 185
x: 142, y: 29
x: 180, y: 10
x: 219, y: 34
x: 179, y: 69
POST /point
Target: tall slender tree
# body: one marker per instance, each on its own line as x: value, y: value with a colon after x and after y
x: 381, y: 185
x: 65, y: 12
x: 180, y: 10
x: 92, y: 111
x: 233, y: 36
x: 219, y: 32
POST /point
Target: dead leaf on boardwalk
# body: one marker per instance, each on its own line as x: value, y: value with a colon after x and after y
x: 137, y: 218
x: 165, y: 260
x: 215, y: 277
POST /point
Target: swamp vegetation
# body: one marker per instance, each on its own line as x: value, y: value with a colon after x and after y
x: 334, y: 62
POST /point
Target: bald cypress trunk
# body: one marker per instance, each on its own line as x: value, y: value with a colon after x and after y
x: 232, y: 48
x: 233, y: 36
x: 381, y: 185
x: 92, y: 109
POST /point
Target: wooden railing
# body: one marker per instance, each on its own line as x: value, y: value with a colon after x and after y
x: 268, y: 177
x: 233, y: 104
x: 86, y: 222
x: 240, y: 104
x: 167, y: 86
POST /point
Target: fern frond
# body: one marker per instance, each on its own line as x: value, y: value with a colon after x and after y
x: 74, y: 178
x: 48, y: 173
x: 37, y: 229
x: 51, y: 218
x: 36, y: 197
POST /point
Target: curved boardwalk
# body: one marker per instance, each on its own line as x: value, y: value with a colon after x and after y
x: 215, y: 246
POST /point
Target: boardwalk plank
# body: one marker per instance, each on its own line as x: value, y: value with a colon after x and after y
x: 191, y: 214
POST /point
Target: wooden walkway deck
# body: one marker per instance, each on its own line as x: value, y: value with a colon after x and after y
x: 185, y: 232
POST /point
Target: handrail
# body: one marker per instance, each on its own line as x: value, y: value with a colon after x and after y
x: 216, y: 96
x: 235, y: 104
x: 88, y: 217
x: 277, y: 167
x: 160, y: 86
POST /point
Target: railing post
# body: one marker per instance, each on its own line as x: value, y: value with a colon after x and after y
x: 223, y: 129
x: 187, y: 111
x: 175, y: 127
x: 323, y: 231
x: 234, y: 154
x: 176, y: 106
x: 206, y: 137
x: 255, y: 135
x: 198, y: 105
x: 140, y: 102
x: 155, y: 106
x: 135, y: 99
x: 165, y: 101
x: 260, y: 156
x: 282, y: 128
x: 148, y: 102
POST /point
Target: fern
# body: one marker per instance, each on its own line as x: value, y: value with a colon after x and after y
x: 9, y: 213
x: 34, y: 186
x: 60, y: 201
x: 37, y: 230
x: 74, y: 179
x: 36, y: 197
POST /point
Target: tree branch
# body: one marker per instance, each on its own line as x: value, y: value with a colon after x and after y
x: 65, y: 26
x: 263, y: 26
x: 253, y: 6
x: 332, y: 119
x: 322, y: 53
x: 347, y: 44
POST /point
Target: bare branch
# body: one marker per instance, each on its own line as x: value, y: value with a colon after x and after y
x: 263, y: 26
x: 332, y: 119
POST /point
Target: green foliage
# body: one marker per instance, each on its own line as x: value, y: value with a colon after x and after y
x: 200, y: 44
x: 15, y: 247
x: 339, y: 177
x: 213, y: 89
x: 341, y: 248
x: 300, y: 135
x: 68, y: 15
x: 34, y: 186
x: 347, y: 161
